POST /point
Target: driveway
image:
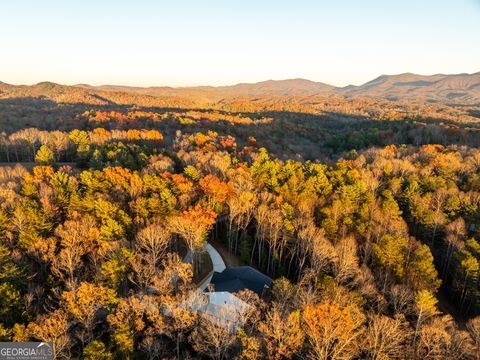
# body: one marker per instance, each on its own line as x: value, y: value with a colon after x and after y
x: 217, y: 261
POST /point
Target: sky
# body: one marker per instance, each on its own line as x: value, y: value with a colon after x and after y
x: 215, y: 42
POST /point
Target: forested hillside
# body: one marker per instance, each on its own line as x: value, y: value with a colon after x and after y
x: 455, y: 88
x: 366, y: 213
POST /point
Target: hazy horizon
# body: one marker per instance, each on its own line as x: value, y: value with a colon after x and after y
x: 215, y: 43
x: 232, y: 84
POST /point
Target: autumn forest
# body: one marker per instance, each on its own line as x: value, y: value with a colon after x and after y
x: 364, y: 211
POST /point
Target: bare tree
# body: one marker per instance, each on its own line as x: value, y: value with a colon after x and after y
x: 401, y: 298
x: 241, y: 206
x: 282, y: 333
x: 441, y: 339
x: 385, y: 338
x: 76, y: 239
x: 346, y: 267
x: 153, y: 242
x: 455, y: 232
x: 323, y: 253
x: 269, y: 227
x: 213, y: 340
x: 473, y: 327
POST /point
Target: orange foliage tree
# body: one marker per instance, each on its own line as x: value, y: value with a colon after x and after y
x: 331, y: 330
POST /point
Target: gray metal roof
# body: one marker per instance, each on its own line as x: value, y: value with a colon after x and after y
x: 238, y: 278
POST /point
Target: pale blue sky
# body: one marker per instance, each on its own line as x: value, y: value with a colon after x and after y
x: 213, y: 42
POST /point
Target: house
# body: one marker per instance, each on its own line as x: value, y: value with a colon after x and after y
x: 221, y: 305
x: 215, y: 298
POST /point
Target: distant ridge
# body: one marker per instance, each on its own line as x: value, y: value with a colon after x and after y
x: 456, y: 88
x: 464, y: 87
x: 291, y: 87
x: 407, y: 86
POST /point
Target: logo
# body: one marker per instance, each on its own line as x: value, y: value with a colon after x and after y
x: 26, y: 351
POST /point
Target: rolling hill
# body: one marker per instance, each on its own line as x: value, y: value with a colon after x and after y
x: 292, y: 87
x: 457, y: 88
x: 451, y: 88
x: 439, y: 87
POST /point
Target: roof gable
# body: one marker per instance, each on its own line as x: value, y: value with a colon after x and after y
x: 238, y: 278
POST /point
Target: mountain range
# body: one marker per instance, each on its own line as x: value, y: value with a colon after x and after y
x: 451, y: 88
x: 455, y: 88
x: 292, y: 87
